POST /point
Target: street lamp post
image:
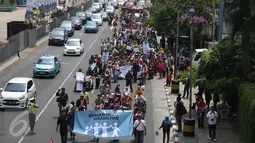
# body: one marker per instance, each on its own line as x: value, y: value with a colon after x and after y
x: 177, y: 39
x: 189, y: 123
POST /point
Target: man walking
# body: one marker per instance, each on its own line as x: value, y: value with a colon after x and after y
x: 140, y: 129
x: 62, y: 124
x: 212, y: 116
x: 62, y: 99
x: 129, y: 78
x: 32, y: 114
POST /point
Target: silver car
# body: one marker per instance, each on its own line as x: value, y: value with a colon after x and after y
x: 110, y: 10
x: 97, y: 17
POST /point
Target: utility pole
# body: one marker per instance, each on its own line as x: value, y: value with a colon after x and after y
x: 190, y: 54
x: 177, y: 41
x: 213, y: 21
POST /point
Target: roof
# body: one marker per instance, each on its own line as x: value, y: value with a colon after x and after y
x: 200, y: 50
x: 19, y: 80
x: 97, y: 14
x: 59, y: 28
x: 74, y: 39
x: 47, y: 56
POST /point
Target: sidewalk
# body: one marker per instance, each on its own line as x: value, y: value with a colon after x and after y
x: 160, y: 107
x: 17, y: 15
x: 226, y: 131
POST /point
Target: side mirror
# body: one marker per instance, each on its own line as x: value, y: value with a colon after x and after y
x: 34, y: 62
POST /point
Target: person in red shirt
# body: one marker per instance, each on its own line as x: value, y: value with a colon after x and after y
x: 161, y: 67
x: 169, y: 77
x: 201, y: 106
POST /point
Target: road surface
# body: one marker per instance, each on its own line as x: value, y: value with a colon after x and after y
x: 46, y: 125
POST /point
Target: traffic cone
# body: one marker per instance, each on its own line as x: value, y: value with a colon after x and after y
x: 51, y: 140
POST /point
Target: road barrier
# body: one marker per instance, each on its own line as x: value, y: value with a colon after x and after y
x: 29, y: 37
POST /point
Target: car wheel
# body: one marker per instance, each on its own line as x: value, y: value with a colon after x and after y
x: 49, y: 43
x: 64, y: 54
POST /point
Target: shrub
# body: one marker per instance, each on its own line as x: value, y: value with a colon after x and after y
x: 246, y: 112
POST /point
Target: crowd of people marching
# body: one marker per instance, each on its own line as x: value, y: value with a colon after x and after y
x: 132, y: 54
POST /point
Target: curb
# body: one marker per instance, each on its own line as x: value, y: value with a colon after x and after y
x: 171, y: 113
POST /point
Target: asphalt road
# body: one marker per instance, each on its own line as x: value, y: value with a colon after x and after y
x: 46, y: 88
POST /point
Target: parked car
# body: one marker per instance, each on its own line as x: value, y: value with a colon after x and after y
x: 69, y: 26
x: 17, y: 93
x: 58, y: 36
x: 91, y: 27
x: 82, y: 16
x: 104, y: 16
x: 89, y: 13
x: 73, y: 47
x: 196, y: 61
x: 110, y: 10
x: 47, y: 66
x: 97, y: 17
x: 77, y: 22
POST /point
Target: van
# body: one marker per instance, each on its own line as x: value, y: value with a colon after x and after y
x: 197, y: 57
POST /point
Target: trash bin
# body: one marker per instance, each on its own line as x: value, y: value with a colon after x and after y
x: 175, y: 86
x: 189, y: 127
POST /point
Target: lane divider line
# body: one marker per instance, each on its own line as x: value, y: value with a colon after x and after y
x: 52, y: 97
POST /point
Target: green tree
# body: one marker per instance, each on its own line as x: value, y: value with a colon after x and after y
x: 240, y: 17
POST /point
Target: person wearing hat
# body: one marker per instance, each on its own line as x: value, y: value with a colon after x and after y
x: 139, y: 89
x: 139, y: 129
x: 32, y: 114
x: 126, y: 99
x: 81, y: 103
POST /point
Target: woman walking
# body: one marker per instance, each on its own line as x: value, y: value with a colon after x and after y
x: 166, y: 125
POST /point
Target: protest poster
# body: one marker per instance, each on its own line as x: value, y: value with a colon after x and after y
x: 92, y: 66
x: 146, y: 48
x: 105, y: 56
x: 104, y: 123
x: 125, y: 69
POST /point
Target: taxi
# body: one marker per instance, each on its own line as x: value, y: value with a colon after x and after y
x: 47, y: 66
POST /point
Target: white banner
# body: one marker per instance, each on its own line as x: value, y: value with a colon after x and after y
x: 125, y: 69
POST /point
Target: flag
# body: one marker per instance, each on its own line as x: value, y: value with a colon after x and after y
x: 51, y: 140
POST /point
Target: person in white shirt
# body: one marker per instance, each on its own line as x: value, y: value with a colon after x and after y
x: 139, y: 129
x: 126, y: 91
x: 140, y: 97
x: 212, y: 123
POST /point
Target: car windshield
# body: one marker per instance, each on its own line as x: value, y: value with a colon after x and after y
x: 81, y: 14
x: 95, y: 4
x: 45, y: 61
x: 96, y: 17
x: 88, y: 12
x: 73, y: 43
x: 57, y: 33
x: 66, y: 24
x: 109, y: 8
x: 91, y: 24
x: 15, y: 87
x: 104, y: 14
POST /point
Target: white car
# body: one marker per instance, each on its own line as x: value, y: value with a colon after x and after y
x: 110, y: 10
x: 197, y: 57
x: 17, y: 93
x: 121, y: 2
x: 73, y: 47
x: 97, y: 17
x: 97, y: 6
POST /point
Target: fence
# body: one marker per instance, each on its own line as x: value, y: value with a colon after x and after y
x: 29, y: 37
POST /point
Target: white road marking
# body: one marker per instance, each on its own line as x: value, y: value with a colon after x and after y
x: 47, y: 104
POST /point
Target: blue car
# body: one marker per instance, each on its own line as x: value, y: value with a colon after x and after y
x: 47, y: 66
x: 91, y: 27
x: 69, y: 26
